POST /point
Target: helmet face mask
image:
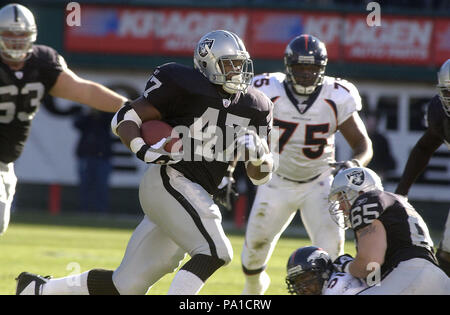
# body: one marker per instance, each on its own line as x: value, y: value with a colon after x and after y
x: 305, y: 60
x: 222, y: 58
x: 444, y: 86
x: 307, y: 270
x: 18, y: 32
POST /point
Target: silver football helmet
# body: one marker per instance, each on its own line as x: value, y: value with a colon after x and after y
x: 222, y: 58
x: 18, y: 32
x: 346, y: 187
x: 444, y: 86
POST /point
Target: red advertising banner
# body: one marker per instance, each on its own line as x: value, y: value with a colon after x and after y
x: 174, y: 32
x: 397, y: 40
x: 148, y: 31
x: 442, y: 41
x: 272, y: 31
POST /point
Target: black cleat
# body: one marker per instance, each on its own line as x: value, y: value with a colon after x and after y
x: 25, y: 279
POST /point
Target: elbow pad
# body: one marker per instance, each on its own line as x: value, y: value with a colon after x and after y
x: 125, y: 113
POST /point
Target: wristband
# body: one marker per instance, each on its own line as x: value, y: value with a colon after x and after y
x: 136, y: 144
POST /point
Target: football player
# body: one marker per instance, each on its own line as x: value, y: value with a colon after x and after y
x: 394, y: 249
x: 27, y: 73
x: 309, y: 108
x: 310, y: 271
x: 211, y: 99
x: 437, y: 133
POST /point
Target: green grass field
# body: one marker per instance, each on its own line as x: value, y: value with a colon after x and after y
x: 69, y: 244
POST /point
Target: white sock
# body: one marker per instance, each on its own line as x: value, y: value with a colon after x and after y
x: 71, y: 285
x: 256, y: 284
x: 185, y: 283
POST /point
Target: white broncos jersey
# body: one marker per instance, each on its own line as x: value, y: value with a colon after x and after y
x: 304, y: 131
x: 343, y: 284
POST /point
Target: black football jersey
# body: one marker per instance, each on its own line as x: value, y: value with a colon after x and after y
x: 21, y: 93
x: 406, y: 233
x: 188, y: 101
x: 438, y: 121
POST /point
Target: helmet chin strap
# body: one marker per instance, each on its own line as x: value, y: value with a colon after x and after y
x: 304, y: 91
x: 234, y: 85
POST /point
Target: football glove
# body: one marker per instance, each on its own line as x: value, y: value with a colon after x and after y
x: 342, y: 262
x: 155, y: 153
x: 227, y: 193
x: 251, y: 145
x: 342, y: 165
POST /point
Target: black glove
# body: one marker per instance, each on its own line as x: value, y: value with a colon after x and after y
x: 342, y: 165
x: 227, y: 194
x: 341, y: 262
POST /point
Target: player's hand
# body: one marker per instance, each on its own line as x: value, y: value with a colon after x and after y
x: 342, y: 165
x: 155, y: 153
x: 227, y: 194
x: 341, y: 262
x: 251, y: 145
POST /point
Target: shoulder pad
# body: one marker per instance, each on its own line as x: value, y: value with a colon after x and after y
x: 186, y: 78
x: 48, y: 55
x: 271, y: 84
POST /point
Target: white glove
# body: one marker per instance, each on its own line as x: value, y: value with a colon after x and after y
x: 248, y: 142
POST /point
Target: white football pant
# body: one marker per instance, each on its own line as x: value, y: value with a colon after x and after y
x: 180, y: 217
x: 446, y: 239
x: 8, y: 181
x: 410, y: 277
x: 274, y: 208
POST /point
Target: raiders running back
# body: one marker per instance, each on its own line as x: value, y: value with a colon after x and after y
x: 21, y: 93
x: 306, y: 129
x: 206, y: 112
x: 407, y: 234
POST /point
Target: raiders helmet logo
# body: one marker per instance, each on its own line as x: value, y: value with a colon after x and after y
x: 202, y: 51
x: 356, y: 178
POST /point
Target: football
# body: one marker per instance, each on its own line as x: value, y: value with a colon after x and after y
x: 153, y: 131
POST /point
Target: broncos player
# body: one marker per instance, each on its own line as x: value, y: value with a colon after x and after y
x: 394, y: 249
x: 310, y: 271
x: 437, y: 133
x: 181, y: 217
x: 309, y: 108
x: 27, y: 73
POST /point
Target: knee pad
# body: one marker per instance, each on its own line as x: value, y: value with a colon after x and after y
x: 203, y: 266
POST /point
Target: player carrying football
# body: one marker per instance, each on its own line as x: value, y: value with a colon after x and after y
x: 176, y: 195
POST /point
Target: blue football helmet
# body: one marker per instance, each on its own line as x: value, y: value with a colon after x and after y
x: 307, y: 270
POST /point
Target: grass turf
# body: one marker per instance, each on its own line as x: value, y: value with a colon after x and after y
x: 68, y: 244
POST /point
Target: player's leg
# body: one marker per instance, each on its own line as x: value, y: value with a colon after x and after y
x: 321, y: 228
x: 150, y: 254
x: 271, y: 213
x: 8, y: 183
x: 187, y: 213
x: 443, y: 252
x: 414, y: 276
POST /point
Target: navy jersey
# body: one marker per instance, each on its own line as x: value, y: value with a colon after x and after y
x: 189, y: 101
x: 438, y: 121
x: 21, y: 93
x: 406, y: 233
